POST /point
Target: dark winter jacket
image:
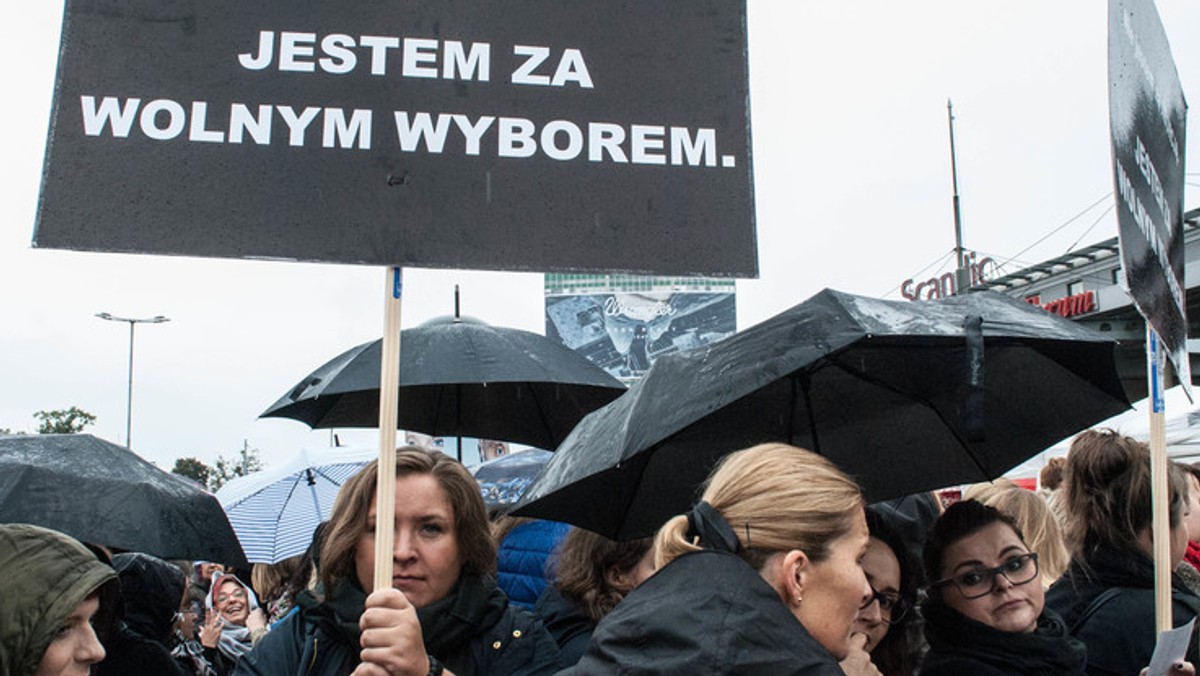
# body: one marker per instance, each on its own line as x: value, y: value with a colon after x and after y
x: 571, y: 629
x: 151, y: 591
x: 706, y: 612
x: 44, y: 576
x: 471, y: 631
x: 1117, y: 626
x: 522, y: 557
x: 960, y: 645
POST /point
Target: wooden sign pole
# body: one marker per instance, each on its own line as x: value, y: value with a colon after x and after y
x: 389, y: 394
x: 1159, y: 489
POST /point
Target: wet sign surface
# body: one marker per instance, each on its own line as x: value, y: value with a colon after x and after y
x: 1148, y: 117
x: 566, y: 135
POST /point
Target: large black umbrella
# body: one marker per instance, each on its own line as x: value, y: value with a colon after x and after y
x: 96, y: 491
x: 904, y: 396
x: 459, y: 377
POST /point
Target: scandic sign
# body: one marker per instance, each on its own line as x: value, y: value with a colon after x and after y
x: 564, y: 135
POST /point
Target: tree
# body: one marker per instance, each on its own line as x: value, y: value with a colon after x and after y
x: 246, y: 461
x: 70, y: 421
x: 193, y: 469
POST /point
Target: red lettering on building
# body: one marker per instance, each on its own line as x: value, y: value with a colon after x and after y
x: 1080, y: 303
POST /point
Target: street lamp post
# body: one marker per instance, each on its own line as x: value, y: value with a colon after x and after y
x: 158, y: 319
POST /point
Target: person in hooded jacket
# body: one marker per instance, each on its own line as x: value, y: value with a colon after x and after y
x: 442, y: 614
x: 150, y: 592
x: 56, y: 602
x: 985, y: 613
x: 762, y: 576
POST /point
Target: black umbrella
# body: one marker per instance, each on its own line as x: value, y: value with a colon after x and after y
x: 99, y: 492
x: 459, y: 377
x: 904, y: 396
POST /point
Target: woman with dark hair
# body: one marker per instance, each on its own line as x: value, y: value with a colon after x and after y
x: 1107, y: 594
x: 762, y: 576
x: 592, y: 575
x: 443, y: 613
x: 892, y: 633
x: 985, y: 614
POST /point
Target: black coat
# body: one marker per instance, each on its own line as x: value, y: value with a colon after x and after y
x: 706, y: 612
x: 571, y: 629
x: 960, y: 645
x: 471, y: 631
x: 151, y: 590
x: 1118, y: 626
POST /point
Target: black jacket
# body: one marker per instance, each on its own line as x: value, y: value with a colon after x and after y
x: 472, y: 631
x: 1118, y: 626
x: 706, y: 612
x: 151, y: 590
x: 571, y: 629
x: 960, y: 645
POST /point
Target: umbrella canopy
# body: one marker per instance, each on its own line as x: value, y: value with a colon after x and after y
x: 459, y: 377
x: 1181, y: 432
x: 903, y: 396
x: 99, y: 492
x: 504, y: 479
x: 274, y: 512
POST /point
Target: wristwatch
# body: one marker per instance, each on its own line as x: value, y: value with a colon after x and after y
x: 435, y: 668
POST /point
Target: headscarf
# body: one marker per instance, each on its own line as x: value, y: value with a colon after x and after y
x: 235, y: 641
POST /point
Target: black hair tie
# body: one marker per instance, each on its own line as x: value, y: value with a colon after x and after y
x: 713, y: 530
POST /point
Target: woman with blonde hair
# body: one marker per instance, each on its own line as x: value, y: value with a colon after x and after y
x: 763, y: 575
x: 1039, y: 526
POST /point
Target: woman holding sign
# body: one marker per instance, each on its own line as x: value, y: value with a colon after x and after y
x: 1107, y: 594
x: 443, y: 614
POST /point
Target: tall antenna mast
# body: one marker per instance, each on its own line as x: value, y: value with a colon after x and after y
x: 962, y: 280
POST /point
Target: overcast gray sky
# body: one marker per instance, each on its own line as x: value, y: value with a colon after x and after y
x: 852, y: 178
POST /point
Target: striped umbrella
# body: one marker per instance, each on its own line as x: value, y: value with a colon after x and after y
x: 274, y: 512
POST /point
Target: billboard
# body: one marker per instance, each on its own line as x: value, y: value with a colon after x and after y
x: 565, y: 135
x: 1148, y: 116
x: 622, y: 323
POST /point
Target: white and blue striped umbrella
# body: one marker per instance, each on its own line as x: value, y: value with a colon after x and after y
x: 274, y: 512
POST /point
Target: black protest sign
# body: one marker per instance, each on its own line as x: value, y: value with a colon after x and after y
x: 1148, y: 117
x: 537, y: 135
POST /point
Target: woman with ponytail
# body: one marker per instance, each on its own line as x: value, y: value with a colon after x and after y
x: 762, y: 576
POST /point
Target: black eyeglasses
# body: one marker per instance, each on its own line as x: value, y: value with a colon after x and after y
x: 978, y: 582
x: 892, y: 606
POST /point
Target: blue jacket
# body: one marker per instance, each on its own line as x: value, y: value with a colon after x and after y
x: 523, y: 557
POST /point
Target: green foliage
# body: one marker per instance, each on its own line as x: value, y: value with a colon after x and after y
x: 245, y: 462
x: 70, y: 421
x: 193, y: 469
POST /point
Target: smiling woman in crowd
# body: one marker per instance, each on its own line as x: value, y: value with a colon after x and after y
x: 234, y: 622
x: 986, y: 613
x: 443, y: 613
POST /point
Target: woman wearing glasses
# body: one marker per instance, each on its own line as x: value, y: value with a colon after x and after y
x: 889, y: 632
x: 233, y: 624
x: 985, y: 613
x: 1107, y: 593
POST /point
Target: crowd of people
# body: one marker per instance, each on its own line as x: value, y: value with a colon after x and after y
x: 781, y: 567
